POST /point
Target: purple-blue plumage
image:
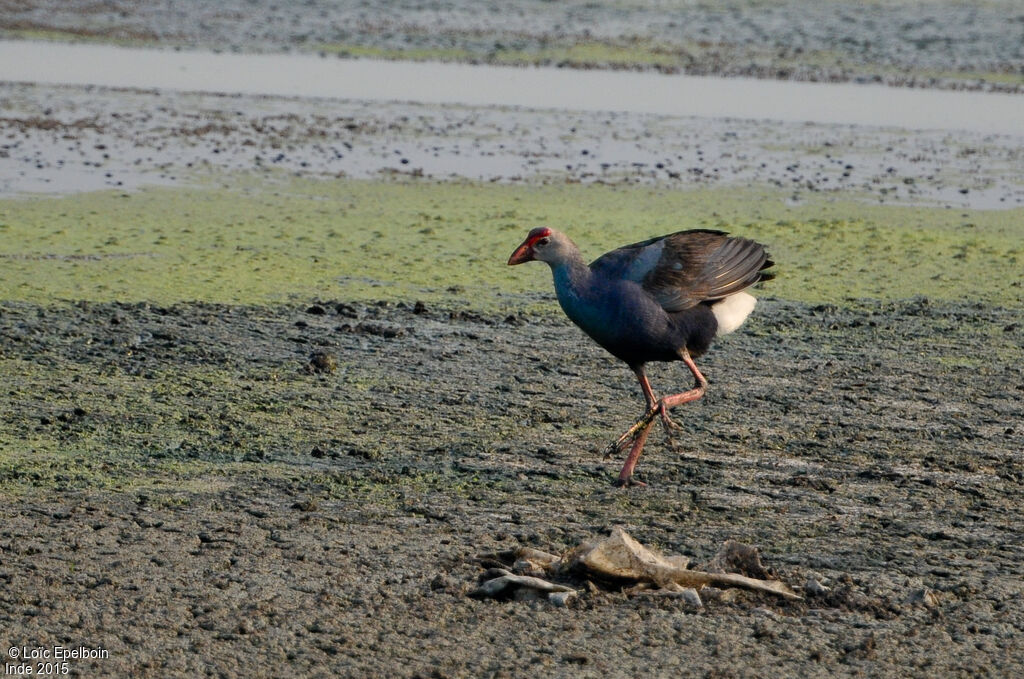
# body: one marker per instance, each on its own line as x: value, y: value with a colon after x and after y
x: 644, y: 302
x: 662, y: 299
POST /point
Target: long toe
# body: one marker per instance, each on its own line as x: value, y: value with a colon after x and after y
x: 616, y: 447
x: 630, y: 482
x: 632, y: 433
x: 668, y: 423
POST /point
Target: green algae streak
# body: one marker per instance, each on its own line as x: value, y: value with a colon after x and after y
x: 645, y: 53
x: 262, y: 241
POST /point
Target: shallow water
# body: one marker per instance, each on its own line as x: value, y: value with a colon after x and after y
x: 310, y: 76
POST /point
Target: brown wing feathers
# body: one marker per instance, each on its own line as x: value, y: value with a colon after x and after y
x: 700, y: 266
x: 735, y: 266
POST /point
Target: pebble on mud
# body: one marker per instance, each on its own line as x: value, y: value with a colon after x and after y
x: 814, y: 588
x: 321, y: 362
x: 692, y: 598
x: 688, y: 595
x: 925, y: 597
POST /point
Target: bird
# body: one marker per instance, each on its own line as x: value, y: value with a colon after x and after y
x: 662, y: 299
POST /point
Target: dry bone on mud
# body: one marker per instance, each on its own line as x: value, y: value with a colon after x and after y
x: 621, y: 560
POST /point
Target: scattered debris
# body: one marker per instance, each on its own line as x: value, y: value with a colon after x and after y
x: 923, y: 597
x: 814, y: 588
x: 500, y: 582
x: 736, y: 557
x: 321, y: 362
x: 621, y: 560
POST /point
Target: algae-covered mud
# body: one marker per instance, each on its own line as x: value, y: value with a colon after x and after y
x: 254, y: 242
x: 944, y: 43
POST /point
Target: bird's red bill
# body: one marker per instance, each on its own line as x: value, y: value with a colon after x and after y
x: 522, y: 254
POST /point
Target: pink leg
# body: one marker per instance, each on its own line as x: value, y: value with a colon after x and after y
x: 652, y: 400
x: 638, y: 432
x: 699, y: 386
x: 652, y: 408
x: 626, y: 475
x: 645, y: 386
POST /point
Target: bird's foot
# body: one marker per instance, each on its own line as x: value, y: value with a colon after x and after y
x: 632, y: 433
x: 628, y: 482
x: 666, y: 421
x: 616, y: 447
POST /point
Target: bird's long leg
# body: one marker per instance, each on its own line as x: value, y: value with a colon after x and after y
x: 641, y: 424
x: 645, y: 386
x: 626, y: 475
x: 632, y: 433
x: 638, y: 432
x: 652, y: 401
x: 661, y: 407
x: 700, y: 384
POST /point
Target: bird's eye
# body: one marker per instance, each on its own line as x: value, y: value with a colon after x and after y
x: 541, y: 242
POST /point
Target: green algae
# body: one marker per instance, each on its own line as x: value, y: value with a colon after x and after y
x: 408, y: 54
x: 113, y: 36
x: 646, y: 53
x: 577, y: 54
x: 192, y: 427
x: 594, y: 54
x: 195, y: 429
x: 261, y: 242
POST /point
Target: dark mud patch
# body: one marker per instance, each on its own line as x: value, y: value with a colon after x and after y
x: 181, y: 489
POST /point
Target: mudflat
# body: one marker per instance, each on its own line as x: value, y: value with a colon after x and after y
x: 193, y: 487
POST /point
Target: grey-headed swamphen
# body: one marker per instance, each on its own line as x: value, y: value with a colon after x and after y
x: 663, y: 299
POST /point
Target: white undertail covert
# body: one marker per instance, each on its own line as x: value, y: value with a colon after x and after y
x: 731, y: 311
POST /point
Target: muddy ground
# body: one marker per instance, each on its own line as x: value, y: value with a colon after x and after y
x: 940, y: 43
x: 299, y: 489
x: 213, y: 504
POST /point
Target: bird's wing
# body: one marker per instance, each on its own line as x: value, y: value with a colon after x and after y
x: 630, y: 262
x: 686, y: 268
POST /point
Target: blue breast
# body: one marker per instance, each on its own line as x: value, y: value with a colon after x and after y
x: 619, y: 315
